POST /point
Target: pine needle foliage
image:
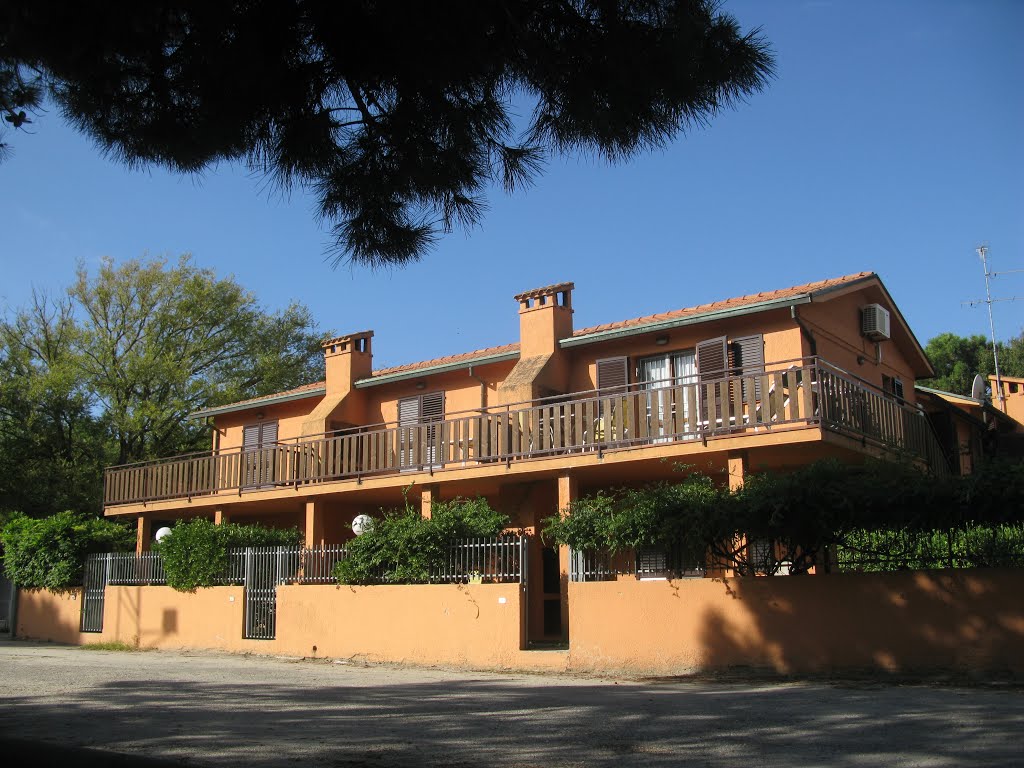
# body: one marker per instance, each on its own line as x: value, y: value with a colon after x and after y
x: 399, y: 116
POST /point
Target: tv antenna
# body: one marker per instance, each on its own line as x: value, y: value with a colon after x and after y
x: 982, y: 251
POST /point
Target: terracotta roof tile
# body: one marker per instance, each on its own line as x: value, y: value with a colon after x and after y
x: 546, y: 290
x: 734, y: 303
x: 460, y: 358
x: 261, y: 398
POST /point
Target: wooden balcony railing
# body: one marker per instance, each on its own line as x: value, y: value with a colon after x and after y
x: 811, y: 392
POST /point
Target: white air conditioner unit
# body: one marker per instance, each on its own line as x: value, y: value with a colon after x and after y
x: 874, y: 322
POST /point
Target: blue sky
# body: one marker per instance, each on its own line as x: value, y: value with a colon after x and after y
x: 890, y: 141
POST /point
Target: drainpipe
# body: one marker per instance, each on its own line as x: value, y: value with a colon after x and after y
x: 483, y: 389
x: 793, y: 313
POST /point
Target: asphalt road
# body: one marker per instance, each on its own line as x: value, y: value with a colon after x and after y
x: 58, y: 705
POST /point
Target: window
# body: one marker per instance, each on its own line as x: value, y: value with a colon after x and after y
x: 258, y: 454
x: 892, y: 386
x: 419, y: 430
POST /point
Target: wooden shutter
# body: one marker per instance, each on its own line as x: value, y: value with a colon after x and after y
x: 432, y: 406
x: 409, y: 410
x: 712, y: 359
x: 612, y: 373
x: 251, y: 437
x: 748, y: 358
x: 269, y: 433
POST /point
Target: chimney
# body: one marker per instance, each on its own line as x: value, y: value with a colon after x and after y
x: 545, y: 318
x: 347, y: 359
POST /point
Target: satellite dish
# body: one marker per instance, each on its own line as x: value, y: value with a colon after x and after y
x: 163, y: 533
x: 978, y: 388
x: 361, y: 524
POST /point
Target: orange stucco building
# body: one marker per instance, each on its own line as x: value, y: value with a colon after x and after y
x: 768, y: 381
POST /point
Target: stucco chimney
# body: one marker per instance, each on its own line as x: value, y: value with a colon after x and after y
x: 346, y: 359
x: 545, y: 317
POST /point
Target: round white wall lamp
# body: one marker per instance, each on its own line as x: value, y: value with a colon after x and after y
x: 163, y: 533
x: 361, y: 524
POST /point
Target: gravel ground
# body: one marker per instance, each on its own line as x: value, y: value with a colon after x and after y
x: 217, y: 709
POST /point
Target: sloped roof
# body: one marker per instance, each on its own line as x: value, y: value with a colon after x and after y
x: 738, y: 304
x: 464, y: 357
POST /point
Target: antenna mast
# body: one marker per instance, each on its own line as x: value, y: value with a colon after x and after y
x: 982, y: 251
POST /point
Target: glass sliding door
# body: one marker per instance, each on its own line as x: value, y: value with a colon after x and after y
x: 660, y: 377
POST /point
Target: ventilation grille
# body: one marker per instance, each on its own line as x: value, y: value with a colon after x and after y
x: 874, y: 322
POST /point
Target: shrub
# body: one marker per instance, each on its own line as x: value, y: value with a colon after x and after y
x: 879, y: 515
x: 196, y: 553
x: 402, y: 547
x: 49, y: 553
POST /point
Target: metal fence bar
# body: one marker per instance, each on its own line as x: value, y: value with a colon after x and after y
x: 498, y: 559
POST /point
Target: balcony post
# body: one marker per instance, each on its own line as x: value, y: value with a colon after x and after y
x: 738, y: 467
x: 314, y: 524
x: 220, y: 517
x: 428, y: 496
x: 143, y: 535
x: 568, y: 491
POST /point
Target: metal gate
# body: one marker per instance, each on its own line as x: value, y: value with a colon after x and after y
x: 94, y: 588
x: 263, y: 572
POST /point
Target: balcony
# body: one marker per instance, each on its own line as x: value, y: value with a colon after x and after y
x: 799, y: 393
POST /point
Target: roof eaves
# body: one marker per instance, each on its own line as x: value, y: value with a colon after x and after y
x: 678, y: 322
x: 415, y: 373
x: 287, y: 397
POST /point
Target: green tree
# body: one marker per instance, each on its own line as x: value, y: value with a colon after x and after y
x: 397, y: 115
x: 52, y: 445
x: 109, y: 373
x: 157, y: 341
x: 957, y: 359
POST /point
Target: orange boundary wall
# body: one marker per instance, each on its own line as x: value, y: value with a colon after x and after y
x: 894, y: 622
x: 897, y: 622
x: 478, y: 625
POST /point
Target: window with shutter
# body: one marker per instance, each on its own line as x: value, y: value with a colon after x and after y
x: 893, y: 386
x: 258, y: 454
x: 612, y: 374
x: 712, y: 365
x: 418, y: 419
x: 748, y: 359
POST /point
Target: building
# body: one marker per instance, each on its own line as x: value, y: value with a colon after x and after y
x: 767, y: 381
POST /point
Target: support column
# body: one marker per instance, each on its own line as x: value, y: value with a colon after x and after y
x: 314, y: 524
x: 429, y: 495
x: 568, y: 491
x: 738, y: 468
x: 220, y: 517
x: 143, y: 535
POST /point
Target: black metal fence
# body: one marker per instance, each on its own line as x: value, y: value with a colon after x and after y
x: 644, y: 563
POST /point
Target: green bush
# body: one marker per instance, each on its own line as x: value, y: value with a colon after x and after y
x: 196, y: 553
x: 881, y: 515
x: 49, y: 553
x: 402, y: 547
